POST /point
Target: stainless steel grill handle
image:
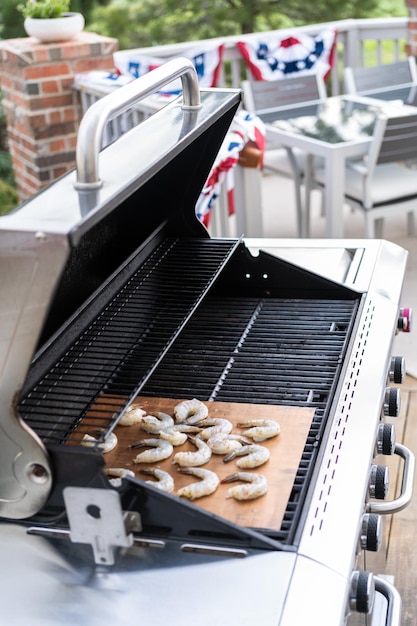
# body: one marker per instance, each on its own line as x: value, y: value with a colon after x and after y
x: 393, y: 598
x: 406, y: 494
x: 90, y: 134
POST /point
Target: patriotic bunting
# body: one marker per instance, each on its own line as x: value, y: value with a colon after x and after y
x: 245, y: 128
x: 207, y: 61
x: 271, y: 58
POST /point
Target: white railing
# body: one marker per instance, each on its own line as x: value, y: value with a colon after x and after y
x: 353, y: 35
x: 386, y: 36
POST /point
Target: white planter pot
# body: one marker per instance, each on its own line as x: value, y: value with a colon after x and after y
x: 55, y: 29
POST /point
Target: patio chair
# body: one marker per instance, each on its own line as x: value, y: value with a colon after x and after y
x: 379, y: 78
x: 381, y: 184
x: 272, y: 100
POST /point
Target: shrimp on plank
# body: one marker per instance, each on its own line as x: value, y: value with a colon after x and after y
x: 132, y: 416
x: 159, y: 450
x: 153, y: 424
x: 222, y: 443
x: 259, y: 430
x: 164, y: 481
x: 209, y: 481
x: 214, y: 425
x: 177, y: 434
x: 190, y: 411
x: 255, y: 486
x: 253, y: 456
x: 118, y: 472
x: 190, y: 459
x: 115, y: 475
x: 107, y: 445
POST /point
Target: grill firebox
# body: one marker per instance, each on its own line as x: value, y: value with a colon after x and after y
x: 174, y: 330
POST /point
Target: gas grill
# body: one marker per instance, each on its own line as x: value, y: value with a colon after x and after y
x: 112, y: 293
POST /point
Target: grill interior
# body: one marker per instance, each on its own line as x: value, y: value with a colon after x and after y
x: 263, y: 351
x: 168, y: 327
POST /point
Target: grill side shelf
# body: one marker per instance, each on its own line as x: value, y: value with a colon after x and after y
x: 118, y: 351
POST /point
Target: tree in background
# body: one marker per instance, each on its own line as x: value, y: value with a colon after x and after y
x: 140, y: 23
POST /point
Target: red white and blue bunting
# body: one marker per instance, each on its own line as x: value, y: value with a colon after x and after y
x: 207, y: 60
x: 272, y: 58
x: 245, y: 128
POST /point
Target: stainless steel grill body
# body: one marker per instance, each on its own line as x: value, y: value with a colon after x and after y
x: 119, y: 291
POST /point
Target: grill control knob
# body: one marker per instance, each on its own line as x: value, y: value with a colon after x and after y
x: 379, y: 482
x: 392, y: 402
x: 405, y: 320
x: 362, y: 592
x: 385, y: 442
x: 371, y: 532
x: 396, y: 372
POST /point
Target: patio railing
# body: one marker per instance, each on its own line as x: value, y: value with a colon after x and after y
x: 386, y: 36
x: 359, y: 43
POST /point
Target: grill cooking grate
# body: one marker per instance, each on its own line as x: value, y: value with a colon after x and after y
x: 109, y: 362
x: 266, y: 351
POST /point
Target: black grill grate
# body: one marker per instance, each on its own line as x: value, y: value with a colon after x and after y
x: 109, y: 362
x: 271, y: 351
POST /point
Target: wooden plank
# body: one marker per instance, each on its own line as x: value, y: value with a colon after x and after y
x: 280, y: 470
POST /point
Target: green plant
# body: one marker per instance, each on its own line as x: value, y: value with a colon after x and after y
x: 44, y: 9
x: 8, y: 197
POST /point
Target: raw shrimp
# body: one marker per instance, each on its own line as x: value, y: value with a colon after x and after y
x: 259, y: 430
x: 133, y: 415
x: 105, y: 446
x: 190, y: 411
x: 209, y: 481
x: 164, y: 481
x: 160, y: 450
x: 189, y: 459
x: 177, y: 435
x: 153, y: 424
x: 118, y: 472
x: 253, y: 456
x: 115, y: 475
x: 255, y: 486
x: 222, y: 443
x: 212, y: 426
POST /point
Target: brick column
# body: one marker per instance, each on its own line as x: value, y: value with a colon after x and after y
x: 42, y: 109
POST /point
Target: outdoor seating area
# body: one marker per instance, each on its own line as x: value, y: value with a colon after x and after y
x: 319, y: 129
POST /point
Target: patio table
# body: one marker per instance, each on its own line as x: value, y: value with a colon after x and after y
x: 335, y: 129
